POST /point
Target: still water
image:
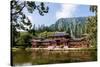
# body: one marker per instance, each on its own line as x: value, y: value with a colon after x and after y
x: 41, y: 56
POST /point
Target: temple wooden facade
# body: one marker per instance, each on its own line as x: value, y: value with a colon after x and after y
x: 61, y: 39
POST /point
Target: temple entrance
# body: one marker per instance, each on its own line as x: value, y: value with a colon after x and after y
x: 58, y: 42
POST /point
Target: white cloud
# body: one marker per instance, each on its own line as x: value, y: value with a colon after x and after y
x: 66, y: 11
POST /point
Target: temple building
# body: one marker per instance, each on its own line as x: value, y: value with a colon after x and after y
x: 60, y: 39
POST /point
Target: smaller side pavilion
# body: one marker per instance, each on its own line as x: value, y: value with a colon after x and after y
x: 78, y: 43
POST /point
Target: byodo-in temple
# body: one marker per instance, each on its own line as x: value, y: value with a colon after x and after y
x: 61, y: 40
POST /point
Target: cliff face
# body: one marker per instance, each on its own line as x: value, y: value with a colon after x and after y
x: 75, y: 26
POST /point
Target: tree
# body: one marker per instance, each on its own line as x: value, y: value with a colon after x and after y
x: 43, y: 34
x: 14, y: 35
x: 93, y: 8
x: 24, y: 40
x: 92, y: 26
x: 68, y: 31
x: 19, y: 21
x: 32, y: 31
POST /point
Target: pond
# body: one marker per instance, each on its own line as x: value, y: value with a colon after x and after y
x: 43, y: 56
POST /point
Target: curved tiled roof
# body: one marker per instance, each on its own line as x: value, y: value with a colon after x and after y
x: 59, y: 34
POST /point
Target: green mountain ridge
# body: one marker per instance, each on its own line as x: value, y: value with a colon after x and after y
x: 76, y: 24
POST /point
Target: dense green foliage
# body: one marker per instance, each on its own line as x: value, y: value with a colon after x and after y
x: 92, y: 27
x: 24, y: 40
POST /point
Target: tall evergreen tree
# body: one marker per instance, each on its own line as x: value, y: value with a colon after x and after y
x: 92, y: 26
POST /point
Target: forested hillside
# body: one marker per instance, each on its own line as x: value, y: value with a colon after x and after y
x: 76, y: 26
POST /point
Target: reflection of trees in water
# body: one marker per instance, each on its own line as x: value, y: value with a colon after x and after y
x: 21, y: 57
x: 42, y: 56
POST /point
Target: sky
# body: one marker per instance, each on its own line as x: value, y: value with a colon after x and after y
x: 57, y: 11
